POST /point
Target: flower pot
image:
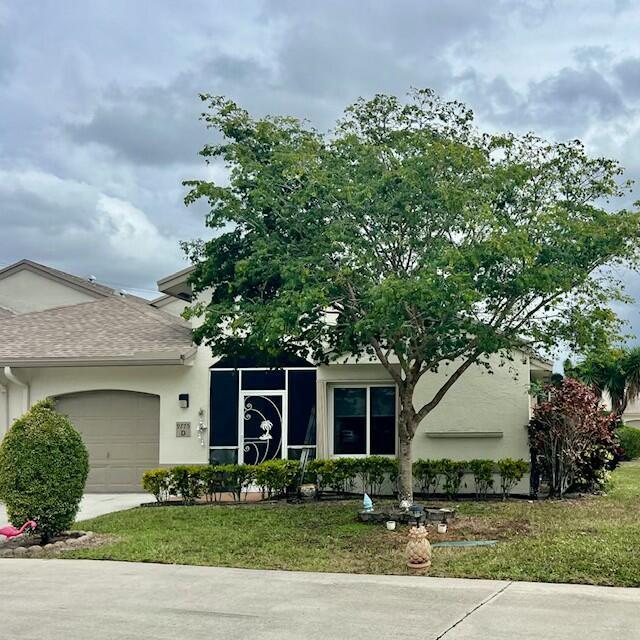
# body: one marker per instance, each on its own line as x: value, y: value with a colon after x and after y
x: 391, y: 525
x: 442, y: 527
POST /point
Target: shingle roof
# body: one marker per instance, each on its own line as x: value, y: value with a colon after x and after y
x: 106, y: 329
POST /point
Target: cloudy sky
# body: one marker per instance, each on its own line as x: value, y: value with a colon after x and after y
x: 99, y: 109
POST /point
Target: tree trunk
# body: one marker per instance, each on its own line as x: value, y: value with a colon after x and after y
x: 407, y: 429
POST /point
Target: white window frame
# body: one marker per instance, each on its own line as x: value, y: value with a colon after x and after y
x: 331, y: 405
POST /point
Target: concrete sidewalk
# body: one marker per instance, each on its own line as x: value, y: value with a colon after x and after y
x: 56, y: 599
x: 97, y: 504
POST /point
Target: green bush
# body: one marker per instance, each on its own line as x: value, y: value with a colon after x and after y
x: 511, y: 472
x: 276, y: 476
x: 629, y: 438
x: 427, y: 474
x: 452, y: 472
x: 374, y: 470
x: 158, y: 483
x: 319, y: 472
x: 43, y: 470
x: 237, y: 478
x: 186, y: 482
x: 212, y: 480
x: 482, y: 471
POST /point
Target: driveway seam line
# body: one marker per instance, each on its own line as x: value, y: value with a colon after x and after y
x: 472, y: 611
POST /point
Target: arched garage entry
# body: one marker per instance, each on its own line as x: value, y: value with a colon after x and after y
x: 121, y: 430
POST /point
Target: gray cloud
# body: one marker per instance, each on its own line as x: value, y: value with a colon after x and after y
x: 99, y: 108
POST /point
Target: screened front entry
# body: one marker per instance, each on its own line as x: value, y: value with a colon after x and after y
x: 260, y: 414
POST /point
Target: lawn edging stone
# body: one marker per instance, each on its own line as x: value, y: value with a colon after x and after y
x: 12, y: 548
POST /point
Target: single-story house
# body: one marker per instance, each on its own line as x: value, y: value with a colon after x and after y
x: 142, y: 394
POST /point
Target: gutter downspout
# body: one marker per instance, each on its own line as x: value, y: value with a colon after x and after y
x: 11, y: 377
x: 4, y: 390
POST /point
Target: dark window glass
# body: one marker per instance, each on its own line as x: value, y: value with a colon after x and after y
x: 224, y: 409
x: 349, y: 421
x: 262, y: 380
x: 302, y: 407
x: 223, y: 456
x: 296, y: 454
x: 382, y: 439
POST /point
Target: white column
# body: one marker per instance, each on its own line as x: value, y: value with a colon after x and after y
x: 322, y: 421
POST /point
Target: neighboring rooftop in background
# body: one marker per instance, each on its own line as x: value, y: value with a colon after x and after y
x: 112, y: 330
x: 88, y: 287
x: 176, y: 284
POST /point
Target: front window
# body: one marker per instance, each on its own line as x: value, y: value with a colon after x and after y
x: 364, y: 420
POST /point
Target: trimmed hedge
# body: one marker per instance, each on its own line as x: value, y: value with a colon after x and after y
x: 373, y: 474
x: 629, y: 438
x: 43, y: 470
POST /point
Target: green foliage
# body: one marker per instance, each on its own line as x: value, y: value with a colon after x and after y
x: 186, y: 483
x: 276, y: 476
x: 43, y: 470
x: 629, y: 438
x: 374, y: 470
x: 212, y: 480
x: 482, y: 471
x: 237, y: 477
x: 615, y: 371
x: 427, y: 473
x: 452, y: 472
x: 426, y: 238
x: 344, y: 472
x: 158, y: 483
x: 511, y: 472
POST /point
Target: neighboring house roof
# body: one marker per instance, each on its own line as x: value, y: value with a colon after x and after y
x: 113, y: 330
x: 93, y: 288
x: 5, y: 313
x: 176, y: 284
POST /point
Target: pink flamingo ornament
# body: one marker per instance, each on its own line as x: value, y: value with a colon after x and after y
x: 12, y: 532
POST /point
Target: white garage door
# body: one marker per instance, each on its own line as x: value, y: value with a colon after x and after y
x: 121, y: 431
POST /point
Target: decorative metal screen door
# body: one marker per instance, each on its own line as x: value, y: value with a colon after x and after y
x: 262, y: 426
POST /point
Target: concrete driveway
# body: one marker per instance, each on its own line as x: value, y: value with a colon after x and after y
x: 56, y: 599
x: 97, y: 504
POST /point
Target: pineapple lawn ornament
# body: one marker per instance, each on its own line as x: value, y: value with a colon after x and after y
x: 418, y: 551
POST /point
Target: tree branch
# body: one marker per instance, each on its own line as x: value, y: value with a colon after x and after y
x: 451, y: 380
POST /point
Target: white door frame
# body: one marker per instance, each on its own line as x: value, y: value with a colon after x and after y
x: 243, y: 395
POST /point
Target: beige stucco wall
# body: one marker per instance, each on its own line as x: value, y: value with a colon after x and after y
x: 25, y: 291
x: 479, y: 403
x: 174, y: 306
x: 491, y: 411
x: 165, y: 381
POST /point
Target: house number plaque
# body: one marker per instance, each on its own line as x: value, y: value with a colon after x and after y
x: 183, y: 429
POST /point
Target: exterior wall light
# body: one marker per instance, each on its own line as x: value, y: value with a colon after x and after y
x: 183, y: 400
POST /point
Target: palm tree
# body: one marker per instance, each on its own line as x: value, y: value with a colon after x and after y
x: 616, y: 372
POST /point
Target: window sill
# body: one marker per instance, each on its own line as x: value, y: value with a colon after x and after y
x: 464, y: 434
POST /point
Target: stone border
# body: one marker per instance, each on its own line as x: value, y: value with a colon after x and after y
x: 82, y: 541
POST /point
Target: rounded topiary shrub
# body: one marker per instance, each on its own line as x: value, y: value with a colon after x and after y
x: 43, y: 470
x: 629, y: 438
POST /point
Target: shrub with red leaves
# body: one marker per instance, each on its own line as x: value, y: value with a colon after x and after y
x: 572, y: 438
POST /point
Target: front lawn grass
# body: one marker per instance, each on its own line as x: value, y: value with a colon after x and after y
x: 594, y: 540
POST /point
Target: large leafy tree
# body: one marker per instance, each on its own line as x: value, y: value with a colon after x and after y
x: 407, y: 236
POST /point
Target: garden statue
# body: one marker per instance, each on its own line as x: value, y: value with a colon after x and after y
x: 418, y: 551
x: 367, y: 504
x: 11, y: 532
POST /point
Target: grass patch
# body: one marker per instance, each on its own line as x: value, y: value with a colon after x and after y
x: 593, y: 540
